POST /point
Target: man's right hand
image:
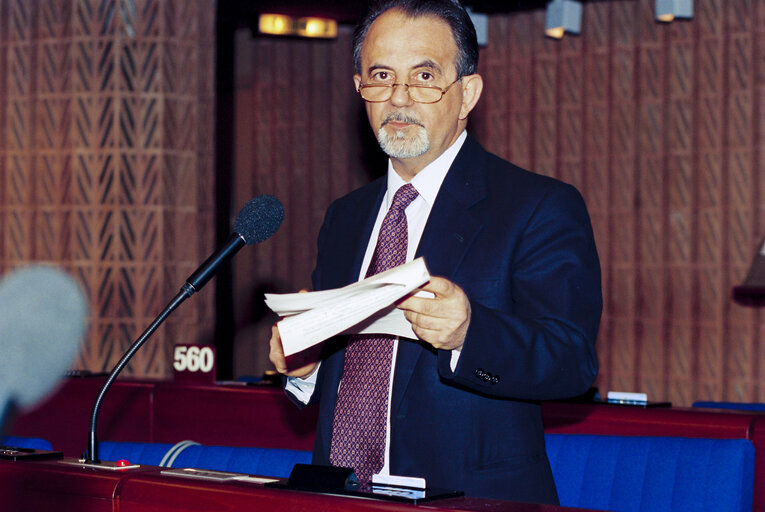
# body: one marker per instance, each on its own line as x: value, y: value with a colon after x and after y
x: 303, y: 363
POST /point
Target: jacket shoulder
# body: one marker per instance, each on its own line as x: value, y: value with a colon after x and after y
x: 369, y: 192
x: 502, y: 177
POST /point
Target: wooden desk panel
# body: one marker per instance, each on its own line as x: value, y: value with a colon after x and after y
x: 36, y: 486
x: 232, y: 415
x: 262, y: 416
x: 49, y: 485
x: 64, y: 417
x: 145, y: 411
x: 603, y: 419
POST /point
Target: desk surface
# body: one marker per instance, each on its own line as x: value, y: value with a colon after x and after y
x: 52, y: 485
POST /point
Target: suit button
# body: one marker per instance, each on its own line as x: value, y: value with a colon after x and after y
x: 479, y: 373
x: 495, y: 379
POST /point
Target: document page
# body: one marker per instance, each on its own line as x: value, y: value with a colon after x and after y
x: 364, y: 307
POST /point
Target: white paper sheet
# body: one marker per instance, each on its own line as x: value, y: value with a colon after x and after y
x: 363, y: 307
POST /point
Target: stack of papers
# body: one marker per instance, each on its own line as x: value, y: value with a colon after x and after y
x: 364, y: 307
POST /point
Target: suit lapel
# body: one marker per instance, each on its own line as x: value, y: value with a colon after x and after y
x: 451, y: 227
x: 448, y: 235
x: 354, y: 238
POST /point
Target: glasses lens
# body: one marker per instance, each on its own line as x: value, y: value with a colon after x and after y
x: 418, y: 93
x: 424, y: 93
x: 376, y: 92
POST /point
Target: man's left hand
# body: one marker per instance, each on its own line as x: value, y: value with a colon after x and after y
x: 443, y: 320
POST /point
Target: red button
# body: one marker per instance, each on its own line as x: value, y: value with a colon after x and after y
x: 122, y: 463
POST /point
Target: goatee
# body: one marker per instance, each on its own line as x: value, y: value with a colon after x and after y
x: 398, y: 144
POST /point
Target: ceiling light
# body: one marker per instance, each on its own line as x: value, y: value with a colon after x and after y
x: 275, y: 24
x: 668, y: 10
x: 317, y: 27
x: 283, y: 25
x: 563, y: 16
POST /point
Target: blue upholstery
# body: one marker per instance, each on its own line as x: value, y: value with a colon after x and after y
x: 150, y: 454
x: 744, y: 406
x: 656, y: 474
x: 254, y: 461
x: 34, y: 443
x: 616, y: 473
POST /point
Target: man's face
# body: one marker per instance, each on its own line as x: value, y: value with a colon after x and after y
x: 421, y: 50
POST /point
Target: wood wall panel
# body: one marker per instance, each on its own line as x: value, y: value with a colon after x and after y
x: 660, y: 126
x: 672, y: 115
x: 298, y: 125
x: 105, y: 160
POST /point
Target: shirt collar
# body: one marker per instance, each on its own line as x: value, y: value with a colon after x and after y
x: 428, y: 181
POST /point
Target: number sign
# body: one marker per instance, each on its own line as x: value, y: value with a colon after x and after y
x: 194, y: 364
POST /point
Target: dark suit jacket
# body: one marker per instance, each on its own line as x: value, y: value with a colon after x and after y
x: 521, y: 247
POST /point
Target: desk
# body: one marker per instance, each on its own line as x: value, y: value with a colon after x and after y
x: 232, y: 415
x: 64, y: 417
x: 623, y: 420
x: 164, y: 412
x: 263, y: 416
x: 51, y: 485
x: 36, y: 486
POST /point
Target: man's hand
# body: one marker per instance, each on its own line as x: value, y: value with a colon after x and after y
x: 303, y: 364
x: 443, y: 320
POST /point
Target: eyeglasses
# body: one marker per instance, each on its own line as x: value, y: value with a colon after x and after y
x: 377, y: 93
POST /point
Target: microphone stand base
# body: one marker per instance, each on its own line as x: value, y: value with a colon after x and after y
x: 104, y: 464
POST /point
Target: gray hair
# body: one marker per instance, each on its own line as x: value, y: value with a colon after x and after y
x: 450, y: 11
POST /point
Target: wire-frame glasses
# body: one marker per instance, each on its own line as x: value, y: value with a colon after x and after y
x: 378, y: 93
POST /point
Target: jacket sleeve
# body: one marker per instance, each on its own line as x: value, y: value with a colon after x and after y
x: 537, y: 340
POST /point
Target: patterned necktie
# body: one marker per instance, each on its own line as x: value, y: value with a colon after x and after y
x: 358, y: 430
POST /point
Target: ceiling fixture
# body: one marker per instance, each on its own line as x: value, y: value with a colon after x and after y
x: 283, y: 25
x: 481, y: 24
x: 668, y: 10
x: 563, y: 16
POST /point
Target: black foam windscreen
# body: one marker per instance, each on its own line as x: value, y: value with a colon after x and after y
x: 43, y: 318
x: 259, y: 219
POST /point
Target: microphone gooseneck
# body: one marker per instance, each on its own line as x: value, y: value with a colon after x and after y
x: 92, y: 454
x: 256, y: 222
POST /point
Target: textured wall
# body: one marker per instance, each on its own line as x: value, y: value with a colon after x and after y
x: 299, y: 127
x: 659, y: 125
x: 106, y: 146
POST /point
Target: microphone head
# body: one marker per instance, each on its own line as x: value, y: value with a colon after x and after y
x: 43, y: 316
x: 259, y: 219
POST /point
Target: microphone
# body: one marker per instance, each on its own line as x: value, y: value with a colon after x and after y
x: 256, y: 222
x: 43, y: 318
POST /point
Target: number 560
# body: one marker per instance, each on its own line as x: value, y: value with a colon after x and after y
x: 193, y: 358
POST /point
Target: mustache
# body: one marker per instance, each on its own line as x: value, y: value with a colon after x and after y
x: 400, y: 117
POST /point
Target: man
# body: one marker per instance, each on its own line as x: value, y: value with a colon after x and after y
x: 516, y: 304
